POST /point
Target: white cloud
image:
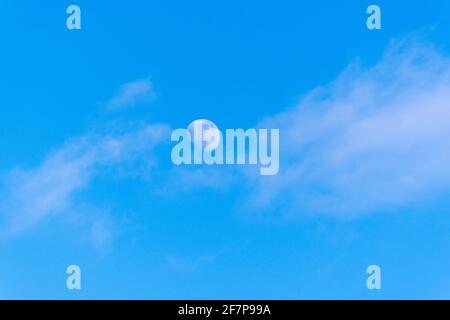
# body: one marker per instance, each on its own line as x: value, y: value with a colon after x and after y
x: 102, y: 231
x: 372, y: 139
x: 131, y: 93
x: 32, y: 195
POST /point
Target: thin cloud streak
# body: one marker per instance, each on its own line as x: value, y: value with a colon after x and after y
x: 373, y: 139
x: 132, y: 93
x: 32, y: 195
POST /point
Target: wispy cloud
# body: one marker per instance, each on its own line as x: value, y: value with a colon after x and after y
x: 374, y: 138
x: 187, y: 264
x: 31, y: 195
x: 102, y: 231
x: 132, y: 93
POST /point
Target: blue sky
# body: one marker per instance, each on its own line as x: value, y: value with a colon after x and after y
x: 86, y: 175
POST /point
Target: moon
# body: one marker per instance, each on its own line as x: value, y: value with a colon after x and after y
x: 211, y: 134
